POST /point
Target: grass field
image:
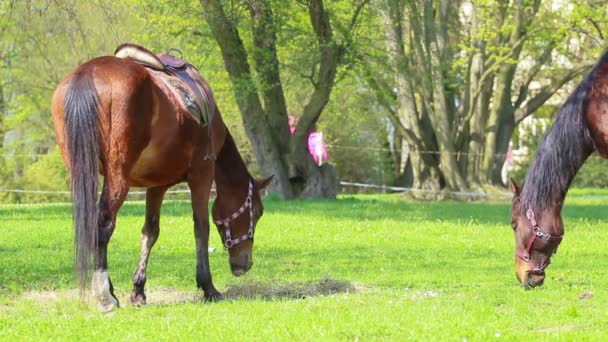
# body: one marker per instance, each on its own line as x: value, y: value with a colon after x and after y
x: 362, y: 267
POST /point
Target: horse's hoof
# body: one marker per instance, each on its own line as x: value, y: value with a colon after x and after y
x: 138, y: 299
x: 213, y: 297
x: 107, y: 306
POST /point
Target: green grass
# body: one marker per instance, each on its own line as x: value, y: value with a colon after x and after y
x: 362, y: 267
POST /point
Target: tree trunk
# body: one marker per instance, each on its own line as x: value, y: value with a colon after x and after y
x: 267, y: 125
x: 441, y: 110
x: 424, y: 172
x: 501, y: 114
x: 267, y: 66
x: 502, y: 111
x: 2, y: 113
x: 476, y: 123
x: 330, y: 57
x: 259, y: 131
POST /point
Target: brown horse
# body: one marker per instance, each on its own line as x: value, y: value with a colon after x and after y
x: 116, y: 117
x: 580, y: 128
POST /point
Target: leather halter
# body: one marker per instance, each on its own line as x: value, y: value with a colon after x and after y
x: 538, y: 233
x: 229, y: 242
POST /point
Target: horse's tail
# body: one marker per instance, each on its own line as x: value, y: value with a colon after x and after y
x: 81, y: 108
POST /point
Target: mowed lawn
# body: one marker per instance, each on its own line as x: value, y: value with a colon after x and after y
x: 367, y: 267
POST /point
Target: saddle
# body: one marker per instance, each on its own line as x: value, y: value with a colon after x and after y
x: 193, y: 91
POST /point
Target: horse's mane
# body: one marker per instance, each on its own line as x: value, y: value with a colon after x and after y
x: 230, y: 167
x: 562, y: 151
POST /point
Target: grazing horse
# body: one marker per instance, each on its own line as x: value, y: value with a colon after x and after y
x: 580, y: 128
x: 116, y: 117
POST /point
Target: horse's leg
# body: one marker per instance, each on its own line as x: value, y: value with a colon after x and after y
x: 200, y: 187
x: 112, y: 197
x: 149, y: 235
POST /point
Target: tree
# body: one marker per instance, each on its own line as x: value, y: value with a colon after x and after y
x: 440, y: 82
x: 463, y: 81
x: 260, y: 93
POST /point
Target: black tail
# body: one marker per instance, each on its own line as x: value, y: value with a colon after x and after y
x: 82, y: 136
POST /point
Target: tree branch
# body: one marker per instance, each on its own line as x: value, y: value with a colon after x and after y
x: 540, y: 62
x: 597, y: 28
x: 330, y: 57
x: 354, y: 19
x: 546, y: 92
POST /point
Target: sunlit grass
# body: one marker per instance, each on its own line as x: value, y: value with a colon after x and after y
x: 368, y: 267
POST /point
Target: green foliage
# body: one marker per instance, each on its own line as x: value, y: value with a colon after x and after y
x: 40, y: 178
x: 356, y: 136
x: 41, y: 41
x: 592, y: 174
x: 49, y: 173
x: 416, y: 271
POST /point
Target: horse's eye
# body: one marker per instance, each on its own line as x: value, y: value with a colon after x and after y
x: 514, y: 225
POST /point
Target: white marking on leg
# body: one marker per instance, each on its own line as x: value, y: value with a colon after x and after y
x: 146, y: 247
x: 145, y: 251
x: 101, y: 291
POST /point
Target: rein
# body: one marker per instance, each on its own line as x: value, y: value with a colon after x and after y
x: 229, y: 242
x: 538, y: 233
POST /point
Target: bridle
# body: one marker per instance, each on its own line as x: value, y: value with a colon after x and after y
x: 229, y: 242
x: 537, y: 233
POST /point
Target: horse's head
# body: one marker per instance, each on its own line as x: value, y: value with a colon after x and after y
x: 236, y: 217
x: 537, y: 236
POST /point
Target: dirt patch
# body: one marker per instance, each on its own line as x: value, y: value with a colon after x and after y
x: 562, y: 328
x: 156, y: 296
x: 291, y: 290
x: 167, y: 296
x: 249, y: 290
x: 51, y: 296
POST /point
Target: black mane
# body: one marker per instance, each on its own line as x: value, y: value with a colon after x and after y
x: 231, y: 170
x: 562, y: 151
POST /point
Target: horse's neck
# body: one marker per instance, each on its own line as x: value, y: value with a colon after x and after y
x: 560, y: 155
x: 231, y: 173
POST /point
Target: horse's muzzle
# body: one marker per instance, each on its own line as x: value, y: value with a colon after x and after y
x: 241, y: 264
x: 532, y: 279
x: 527, y: 277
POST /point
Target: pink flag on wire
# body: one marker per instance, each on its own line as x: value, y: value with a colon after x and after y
x: 317, y: 147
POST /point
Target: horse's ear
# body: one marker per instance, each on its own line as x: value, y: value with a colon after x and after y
x: 516, y: 189
x: 262, y: 184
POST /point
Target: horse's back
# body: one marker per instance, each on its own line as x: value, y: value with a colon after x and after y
x: 147, y: 136
x: 118, y: 82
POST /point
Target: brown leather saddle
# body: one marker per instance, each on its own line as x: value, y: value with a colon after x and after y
x: 185, y: 79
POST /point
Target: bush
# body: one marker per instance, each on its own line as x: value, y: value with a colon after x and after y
x: 48, y: 173
x: 592, y: 174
